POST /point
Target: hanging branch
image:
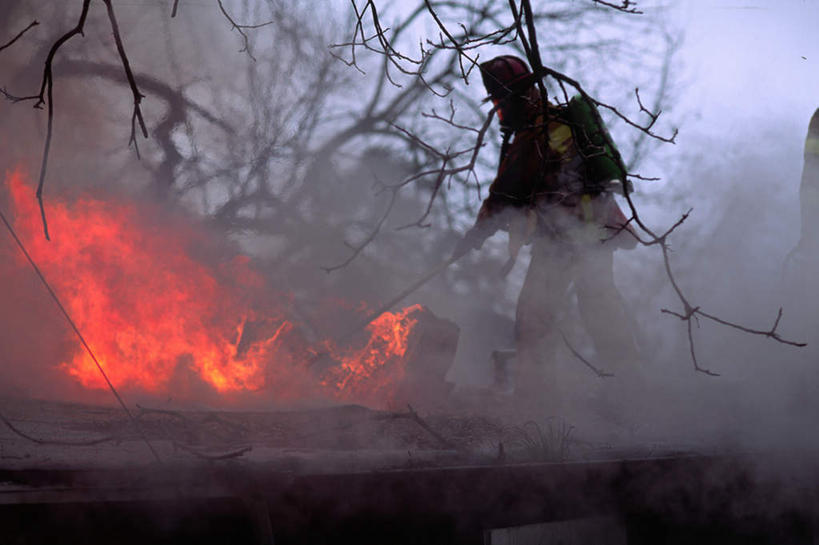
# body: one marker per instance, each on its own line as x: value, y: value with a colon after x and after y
x: 20, y: 34
x: 46, y: 97
x: 46, y: 94
x: 137, y: 115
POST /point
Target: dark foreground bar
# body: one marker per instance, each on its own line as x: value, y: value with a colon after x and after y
x: 675, y: 500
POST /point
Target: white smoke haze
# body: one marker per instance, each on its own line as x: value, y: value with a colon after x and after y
x: 737, y: 165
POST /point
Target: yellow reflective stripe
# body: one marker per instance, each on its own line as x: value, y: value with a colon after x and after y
x: 812, y: 145
x: 586, y: 206
x: 560, y: 137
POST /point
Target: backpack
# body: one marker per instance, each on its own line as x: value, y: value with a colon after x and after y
x: 601, y: 158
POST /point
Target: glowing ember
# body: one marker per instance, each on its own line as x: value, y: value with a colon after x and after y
x: 152, y: 307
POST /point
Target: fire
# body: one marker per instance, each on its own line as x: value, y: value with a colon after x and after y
x: 362, y: 373
x: 153, y: 307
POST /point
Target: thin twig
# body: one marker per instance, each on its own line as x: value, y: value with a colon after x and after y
x: 696, y: 362
x: 412, y: 415
x: 213, y: 457
x: 436, y: 187
x: 461, y: 54
x: 15, y: 98
x: 241, y: 29
x: 20, y: 34
x: 86, y: 443
x: 147, y: 410
x: 358, y: 248
x: 546, y: 71
x: 644, y: 178
x: 137, y: 114
x: 597, y: 371
x: 625, y: 6
x: 653, y: 115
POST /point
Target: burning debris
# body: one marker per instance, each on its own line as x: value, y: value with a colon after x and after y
x: 162, y: 318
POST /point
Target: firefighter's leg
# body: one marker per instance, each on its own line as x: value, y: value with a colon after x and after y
x: 540, y: 302
x: 618, y: 400
x: 603, y: 312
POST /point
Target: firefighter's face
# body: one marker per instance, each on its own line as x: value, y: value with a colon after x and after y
x: 512, y: 110
x: 509, y: 112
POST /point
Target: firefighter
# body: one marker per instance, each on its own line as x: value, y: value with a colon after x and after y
x: 544, y: 194
x: 809, y: 191
x: 802, y: 261
x: 801, y: 265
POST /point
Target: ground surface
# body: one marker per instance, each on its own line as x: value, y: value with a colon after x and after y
x: 310, y: 476
x: 46, y: 434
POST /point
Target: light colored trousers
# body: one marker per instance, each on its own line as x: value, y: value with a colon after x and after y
x: 554, y: 267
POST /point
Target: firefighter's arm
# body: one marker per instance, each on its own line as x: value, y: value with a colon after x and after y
x: 508, y: 193
x: 484, y: 227
x: 522, y: 227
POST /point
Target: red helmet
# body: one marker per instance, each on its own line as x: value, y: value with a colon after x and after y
x: 505, y: 75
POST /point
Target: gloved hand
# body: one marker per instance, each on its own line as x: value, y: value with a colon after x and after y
x: 472, y: 240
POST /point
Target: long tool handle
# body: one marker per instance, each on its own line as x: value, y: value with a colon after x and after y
x: 397, y: 299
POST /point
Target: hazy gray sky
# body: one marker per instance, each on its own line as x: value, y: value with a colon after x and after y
x: 752, y: 59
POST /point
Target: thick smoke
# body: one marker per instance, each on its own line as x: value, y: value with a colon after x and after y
x: 729, y: 255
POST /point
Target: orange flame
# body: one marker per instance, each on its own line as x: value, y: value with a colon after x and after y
x: 139, y: 287
x: 362, y: 373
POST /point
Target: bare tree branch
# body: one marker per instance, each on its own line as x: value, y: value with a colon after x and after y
x: 625, y: 6
x: 358, y: 248
x: 241, y: 29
